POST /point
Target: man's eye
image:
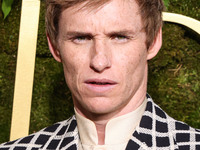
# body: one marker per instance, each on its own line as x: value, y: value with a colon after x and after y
x: 80, y: 39
x: 120, y: 38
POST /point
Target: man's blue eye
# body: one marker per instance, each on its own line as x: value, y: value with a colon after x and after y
x: 121, y: 37
x: 80, y: 38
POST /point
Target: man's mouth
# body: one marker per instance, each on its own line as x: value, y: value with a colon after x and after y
x: 100, y: 85
x: 100, y: 82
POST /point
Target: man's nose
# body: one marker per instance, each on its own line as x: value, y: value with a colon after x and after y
x: 100, y: 56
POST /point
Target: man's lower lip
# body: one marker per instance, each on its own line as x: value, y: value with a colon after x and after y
x: 100, y: 87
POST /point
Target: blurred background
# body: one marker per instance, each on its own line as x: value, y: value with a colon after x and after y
x: 174, y: 74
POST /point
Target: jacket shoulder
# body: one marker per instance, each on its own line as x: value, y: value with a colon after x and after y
x: 42, y: 138
x: 186, y: 136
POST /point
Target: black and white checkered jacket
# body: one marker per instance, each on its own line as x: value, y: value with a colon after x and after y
x: 156, y: 131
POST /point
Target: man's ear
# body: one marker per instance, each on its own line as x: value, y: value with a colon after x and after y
x: 156, y: 45
x: 54, y: 51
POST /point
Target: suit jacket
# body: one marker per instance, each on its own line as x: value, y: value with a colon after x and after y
x: 156, y: 131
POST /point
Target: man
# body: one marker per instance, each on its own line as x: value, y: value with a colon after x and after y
x: 104, y: 46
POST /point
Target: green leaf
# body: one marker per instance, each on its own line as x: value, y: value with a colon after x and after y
x: 6, y: 7
x: 166, y: 3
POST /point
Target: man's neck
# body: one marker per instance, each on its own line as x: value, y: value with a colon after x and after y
x: 101, y: 120
x: 100, y: 127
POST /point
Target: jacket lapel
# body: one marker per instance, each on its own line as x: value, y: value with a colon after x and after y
x: 71, y: 137
x: 65, y: 138
x: 153, y: 131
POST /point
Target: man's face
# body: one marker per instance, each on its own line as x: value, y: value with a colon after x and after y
x: 104, y: 57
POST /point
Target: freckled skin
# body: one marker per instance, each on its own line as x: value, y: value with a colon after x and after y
x: 108, y: 43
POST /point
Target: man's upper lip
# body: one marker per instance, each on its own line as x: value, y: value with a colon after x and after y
x: 100, y: 81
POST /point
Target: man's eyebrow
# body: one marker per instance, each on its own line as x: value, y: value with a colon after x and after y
x: 76, y: 33
x: 121, y: 32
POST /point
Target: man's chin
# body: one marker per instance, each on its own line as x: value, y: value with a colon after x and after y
x: 103, y: 112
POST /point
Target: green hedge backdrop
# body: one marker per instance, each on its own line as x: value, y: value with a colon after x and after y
x: 174, y: 81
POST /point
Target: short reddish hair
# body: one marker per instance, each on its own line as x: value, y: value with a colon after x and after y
x: 150, y: 10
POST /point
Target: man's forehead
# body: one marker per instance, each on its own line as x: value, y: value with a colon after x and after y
x: 117, y: 15
x: 93, y: 6
x: 90, y: 5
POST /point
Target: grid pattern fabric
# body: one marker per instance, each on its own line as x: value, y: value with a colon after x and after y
x: 156, y: 131
x: 60, y: 136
